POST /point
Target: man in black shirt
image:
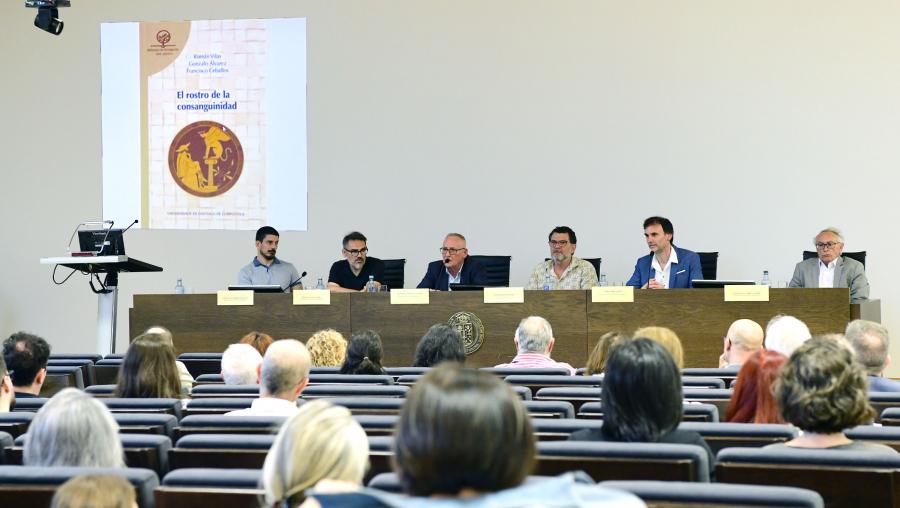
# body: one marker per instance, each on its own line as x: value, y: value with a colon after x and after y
x: 353, y: 273
x: 26, y: 355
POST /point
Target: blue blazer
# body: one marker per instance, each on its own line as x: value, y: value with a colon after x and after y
x: 436, y: 276
x: 680, y: 274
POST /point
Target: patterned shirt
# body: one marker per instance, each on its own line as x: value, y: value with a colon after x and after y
x: 535, y: 361
x: 579, y: 275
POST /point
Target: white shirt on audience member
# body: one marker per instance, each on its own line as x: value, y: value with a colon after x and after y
x: 826, y: 274
x: 267, y: 406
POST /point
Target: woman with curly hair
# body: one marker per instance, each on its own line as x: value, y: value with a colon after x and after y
x: 327, y: 348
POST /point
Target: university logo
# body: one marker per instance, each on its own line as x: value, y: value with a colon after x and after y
x: 206, y: 159
x: 470, y: 329
x: 163, y: 37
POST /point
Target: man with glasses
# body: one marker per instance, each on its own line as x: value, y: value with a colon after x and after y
x: 830, y: 269
x: 353, y: 274
x: 563, y: 270
x: 453, y: 267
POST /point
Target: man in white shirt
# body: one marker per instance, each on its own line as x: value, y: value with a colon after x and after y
x: 283, y: 374
x: 830, y: 269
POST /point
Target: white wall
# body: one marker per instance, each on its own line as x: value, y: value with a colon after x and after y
x: 750, y: 124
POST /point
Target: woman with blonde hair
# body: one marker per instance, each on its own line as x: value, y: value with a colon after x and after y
x: 667, y: 339
x: 165, y: 335
x: 95, y: 491
x: 320, y: 442
x: 327, y: 348
x: 597, y: 360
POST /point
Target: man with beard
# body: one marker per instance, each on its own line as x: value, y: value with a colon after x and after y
x: 667, y: 266
x: 454, y: 267
x: 265, y: 268
x: 353, y: 274
x: 563, y: 270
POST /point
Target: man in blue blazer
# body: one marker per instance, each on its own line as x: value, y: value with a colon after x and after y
x: 453, y: 267
x: 666, y: 266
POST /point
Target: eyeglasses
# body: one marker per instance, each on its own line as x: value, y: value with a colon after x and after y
x: 827, y: 245
x: 452, y: 252
x: 560, y: 243
x: 358, y: 252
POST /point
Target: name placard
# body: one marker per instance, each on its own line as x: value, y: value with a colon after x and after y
x: 312, y: 297
x: 504, y: 295
x: 410, y: 296
x: 739, y: 293
x: 612, y: 294
x: 241, y: 297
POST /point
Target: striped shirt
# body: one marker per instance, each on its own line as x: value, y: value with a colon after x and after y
x: 535, y: 361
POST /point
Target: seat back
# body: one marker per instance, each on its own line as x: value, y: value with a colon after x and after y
x: 745, y: 435
x: 550, y: 408
x: 147, y: 451
x: 693, y: 412
x: 527, y: 371
x: 221, y: 451
x: 85, y: 364
x: 15, y: 423
x: 146, y: 423
x: 30, y: 404
x: 336, y: 390
x: 394, y: 273
x: 351, y: 379
x: 369, y: 405
x: 577, y: 395
x: 727, y: 375
x: 624, y: 461
x: 407, y: 371
x: 881, y: 401
x: 715, y: 396
x: 216, y: 405
x: 547, y: 429
x: 716, y: 495
x: 91, y: 357
x: 223, y: 424
x: 209, y: 378
x: 377, y: 425
x: 106, y: 371
x: 222, y: 488
x: 858, y: 256
x: 202, y: 363
x: 709, y: 262
x: 59, y: 377
x: 34, y: 486
x: 137, y: 405
x: 703, y: 382
x: 538, y: 382
x: 889, y: 436
x: 497, y: 268
x: 221, y: 390
x: 890, y: 416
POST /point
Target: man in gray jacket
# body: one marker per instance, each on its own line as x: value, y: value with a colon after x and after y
x: 830, y: 269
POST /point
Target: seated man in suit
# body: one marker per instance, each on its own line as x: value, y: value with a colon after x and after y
x: 26, y: 355
x: 830, y: 269
x: 667, y: 266
x: 353, y: 274
x: 453, y: 268
x: 870, y: 343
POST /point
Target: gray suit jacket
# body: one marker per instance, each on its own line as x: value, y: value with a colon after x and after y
x: 848, y: 273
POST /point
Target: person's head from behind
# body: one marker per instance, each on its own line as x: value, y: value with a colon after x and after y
x: 600, y: 354
x: 462, y: 432
x: 534, y: 335
x: 785, y: 334
x: 743, y: 338
x: 871, y: 345
x: 364, y: 351
x: 240, y: 365
x: 822, y: 389
x: 441, y: 343
x: 322, y: 431
x: 73, y: 429
x: 26, y: 355
x: 148, y: 370
x: 7, y: 393
x: 327, y: 348
x: 95, y: 491
x: 667, y: 338
x: 284, y: 371
x: 260, y: 341
x: 164, y: 334
x: 641, y: 398
x: 753, y: 400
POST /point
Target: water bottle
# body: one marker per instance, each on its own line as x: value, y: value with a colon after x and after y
x: 547, y: 282
x: 765, y: 279
x: 179, y: 287
x: 602, y: 280
x: 370, y: 286
x: 320, y: 285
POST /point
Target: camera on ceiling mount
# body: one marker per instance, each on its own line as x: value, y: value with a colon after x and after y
x: 47, y: 18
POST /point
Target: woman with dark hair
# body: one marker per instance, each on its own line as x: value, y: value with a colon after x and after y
x: 752, y: 400
x: 441, y: 343
x: 364, y: 352
x: 823, y: 391
x: 641, y: 398
x: 148, y: 370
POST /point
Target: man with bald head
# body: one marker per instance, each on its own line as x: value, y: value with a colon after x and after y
x: 454, y: 267
x: 830, y: 269
x: 283, y: 374
x: 870, y: 343
x: 744, y: 337
x: 534, y: 341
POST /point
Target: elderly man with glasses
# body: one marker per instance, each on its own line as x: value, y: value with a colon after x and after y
x: 352, y: 273
x: 454, y: 267
x: 830, y: 269
x: 563, y: 270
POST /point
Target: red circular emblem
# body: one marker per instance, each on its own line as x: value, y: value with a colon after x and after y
x: 206, y: 159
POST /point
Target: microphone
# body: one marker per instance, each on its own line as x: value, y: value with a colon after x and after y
x: 292, y: 284
x: 129, y: 226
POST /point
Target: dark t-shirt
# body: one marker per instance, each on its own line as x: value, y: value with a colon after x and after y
x: 342, y: 275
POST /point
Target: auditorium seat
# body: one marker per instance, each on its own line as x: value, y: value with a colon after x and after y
x: 146, y: 423
x: 222, y: 488
x: 537, y: 382
x: 221, y: 424
x: 702, y: 382
x: 843, y: 478
x: 31, y: 404
x: 727, y: 375
x: 15, y: 423
x: 216, y: 405
x: 497, y: 268
x: 369, y: 405
x: 380, y: 453
x: 91, y: 357
x: 138, y: 405
x: 549, y: 408
x: 394, y: 273
x: 106, y: 371
x: 715, y: 495
x: 202, y: 363
x: 221, y: 390
x: 148, y: 451
x: 523, y: 392
x: 718, y: 397
x: 547, y: 429
x: 576, y: 395
x: 889, y: 436
x: 377, y: 425
x: 325, y: 370
x: 335, y: 390
x: 59, y: 377
x: 33, y: 487
x: 406, y: 371
x: 890, y: 416
x: 350, y: 379
x: 709, y: 262
x: 221, y: 451
x: 624, y: 461
x: 6, y: 441
x: 100, y: 390
x: 386, y: 482
x: 208, y: 378
x: 744, y: 435
x: 85, y: 364
x: 883, y: 400
x: 693, y: 412
x: 527, y: 371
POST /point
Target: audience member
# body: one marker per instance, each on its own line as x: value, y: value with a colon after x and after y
x: 642, y: 399
x: 441, y: 343
x: 73, y: 429
x: 743, y: 338
x: 95, y: 491
x: 7, y: 393
x: 322, y: 431
x: 871, y: 344
x: 534, y: 342
x: 822, y: 391
x: 785, y: 334
x: 364, y: 353
x: 148, y: 370
x: 752, y: 400
x: 597, y: 360
x: 327, y: 348
x: 26, y: 356
x: 241, y: 365
x: 665, y: 337
x: 184, y: 376
x: 284, y: 373
x: 463, y: 434
x: 258, y: 340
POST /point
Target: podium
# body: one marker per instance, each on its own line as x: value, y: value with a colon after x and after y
x: 108, y: 297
